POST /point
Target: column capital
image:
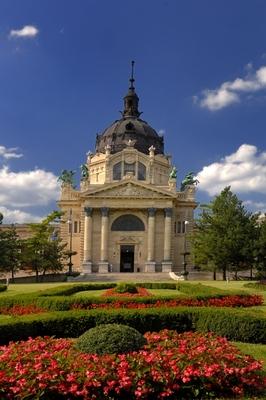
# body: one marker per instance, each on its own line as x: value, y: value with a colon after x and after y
x: 151, y: 212
x: 88, y: 211
x: 105, y: 211
x: 168, y: 212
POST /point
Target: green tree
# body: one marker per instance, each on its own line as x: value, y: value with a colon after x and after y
x: 44, y: 250
x: 260, y: 251
x: 224, y: 235
x: 10, y: 250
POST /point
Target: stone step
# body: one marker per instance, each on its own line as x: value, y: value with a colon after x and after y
x: 142, y: 277
x: 123, y: 277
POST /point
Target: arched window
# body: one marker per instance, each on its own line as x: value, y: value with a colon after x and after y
x: 117, y: 171
x: 129, y: 168
x: 128, y: 222
x: 141, y: 172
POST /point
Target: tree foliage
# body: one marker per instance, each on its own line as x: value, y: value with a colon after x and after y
x: 10, y: 250
x: 44, y: 251
x: 225, y: 235
x: 260, y: 249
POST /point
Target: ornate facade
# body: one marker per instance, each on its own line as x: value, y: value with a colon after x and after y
x: 128, y: 215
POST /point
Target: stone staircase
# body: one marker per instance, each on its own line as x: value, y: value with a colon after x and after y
x: 140, y: 277
x: 123, y: 277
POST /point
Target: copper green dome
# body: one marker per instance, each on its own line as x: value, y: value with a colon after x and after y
x: 130, y: 128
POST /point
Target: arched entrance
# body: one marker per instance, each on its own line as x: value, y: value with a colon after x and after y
x: 127, y: 258
x: 124, y: 224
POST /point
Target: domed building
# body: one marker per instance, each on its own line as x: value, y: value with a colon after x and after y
x: 128, y: 215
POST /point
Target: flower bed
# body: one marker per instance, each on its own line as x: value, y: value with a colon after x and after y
x: 18, y: 309
x: 141, y: 292
x: 171, y: 365
x: 226, y: 301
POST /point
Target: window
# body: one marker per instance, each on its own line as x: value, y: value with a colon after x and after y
x: 181, y: 227
x: 117, y: 171
x: 129, y: 168
x: 128, y: 222
x: 75, y: 226
x: 141, y: 172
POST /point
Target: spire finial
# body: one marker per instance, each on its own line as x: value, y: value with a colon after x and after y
x: 132, y: 80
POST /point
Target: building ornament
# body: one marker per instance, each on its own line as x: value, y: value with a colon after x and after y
x: 151, y: 212
x: 88, y: 211
x: 105, y: 211
x: 168, y: 212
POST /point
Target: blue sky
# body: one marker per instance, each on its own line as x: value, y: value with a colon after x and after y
x: 200, y: 76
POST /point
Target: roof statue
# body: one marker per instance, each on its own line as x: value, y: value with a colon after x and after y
x: 188, y: 180
x: 130, y: 127
x: 173, y: 173
x: 84, y: 172
x: 66, y: 177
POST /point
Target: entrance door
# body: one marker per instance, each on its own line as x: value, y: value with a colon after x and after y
x: 127, y: 259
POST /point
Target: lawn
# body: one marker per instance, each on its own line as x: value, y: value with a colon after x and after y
x: 258, y: 351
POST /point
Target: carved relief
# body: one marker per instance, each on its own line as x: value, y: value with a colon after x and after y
x: 130, y: 158
x: 131, y: 191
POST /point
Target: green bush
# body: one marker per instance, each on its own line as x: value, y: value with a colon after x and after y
x: 75, y: 288
x: 256, y: 285
x: 126, y: 288
x: 157, y: 285
x: 3, y: 288
x: 110, y: 339
x: 237, y: 325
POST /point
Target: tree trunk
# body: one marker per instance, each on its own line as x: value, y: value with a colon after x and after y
x: 12, y: 275
x: 251, y: 272
x: 224, y: 273
x: 214, y: 274
x: 37, y: 275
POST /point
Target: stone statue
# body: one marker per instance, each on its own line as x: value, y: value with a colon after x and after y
x: 66, y: 177
x: 173, y: 173
x: 84, y: 172
x: 188, y: 180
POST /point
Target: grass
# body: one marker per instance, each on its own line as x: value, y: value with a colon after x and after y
x: 25, y: 288
x: 258, y: 351
x: 89, y: 293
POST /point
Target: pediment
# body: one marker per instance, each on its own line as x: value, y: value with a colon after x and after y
x: 129, y: 190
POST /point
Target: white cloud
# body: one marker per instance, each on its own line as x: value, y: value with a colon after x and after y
x: 18, y: 216
x: 216, y: 99
x: 27, y: 188
x: 28, y: 31
x: 255, y: 205
x: 230, y: 92
x: 161, y: 132
x: 244, y: 171
x: 9, y: 153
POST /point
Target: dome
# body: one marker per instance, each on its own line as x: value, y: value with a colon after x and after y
x: 130, y: 129
x: 142, y: 135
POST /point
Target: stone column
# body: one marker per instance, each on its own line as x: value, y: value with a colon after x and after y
x: 103, y: 265
x: 87, y: 257
x: 150, y: 263
x: 167, y: 263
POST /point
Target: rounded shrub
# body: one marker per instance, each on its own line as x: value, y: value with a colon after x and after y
x: 110, y: 339
x: 3, y: 288
x: 126, y: 288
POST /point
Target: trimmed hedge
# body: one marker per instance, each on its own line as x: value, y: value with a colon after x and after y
x: 234, y: 324
x: 75, y: 288
x: 124, y: 287
x: 3, y: 288
x: 256, y: 285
